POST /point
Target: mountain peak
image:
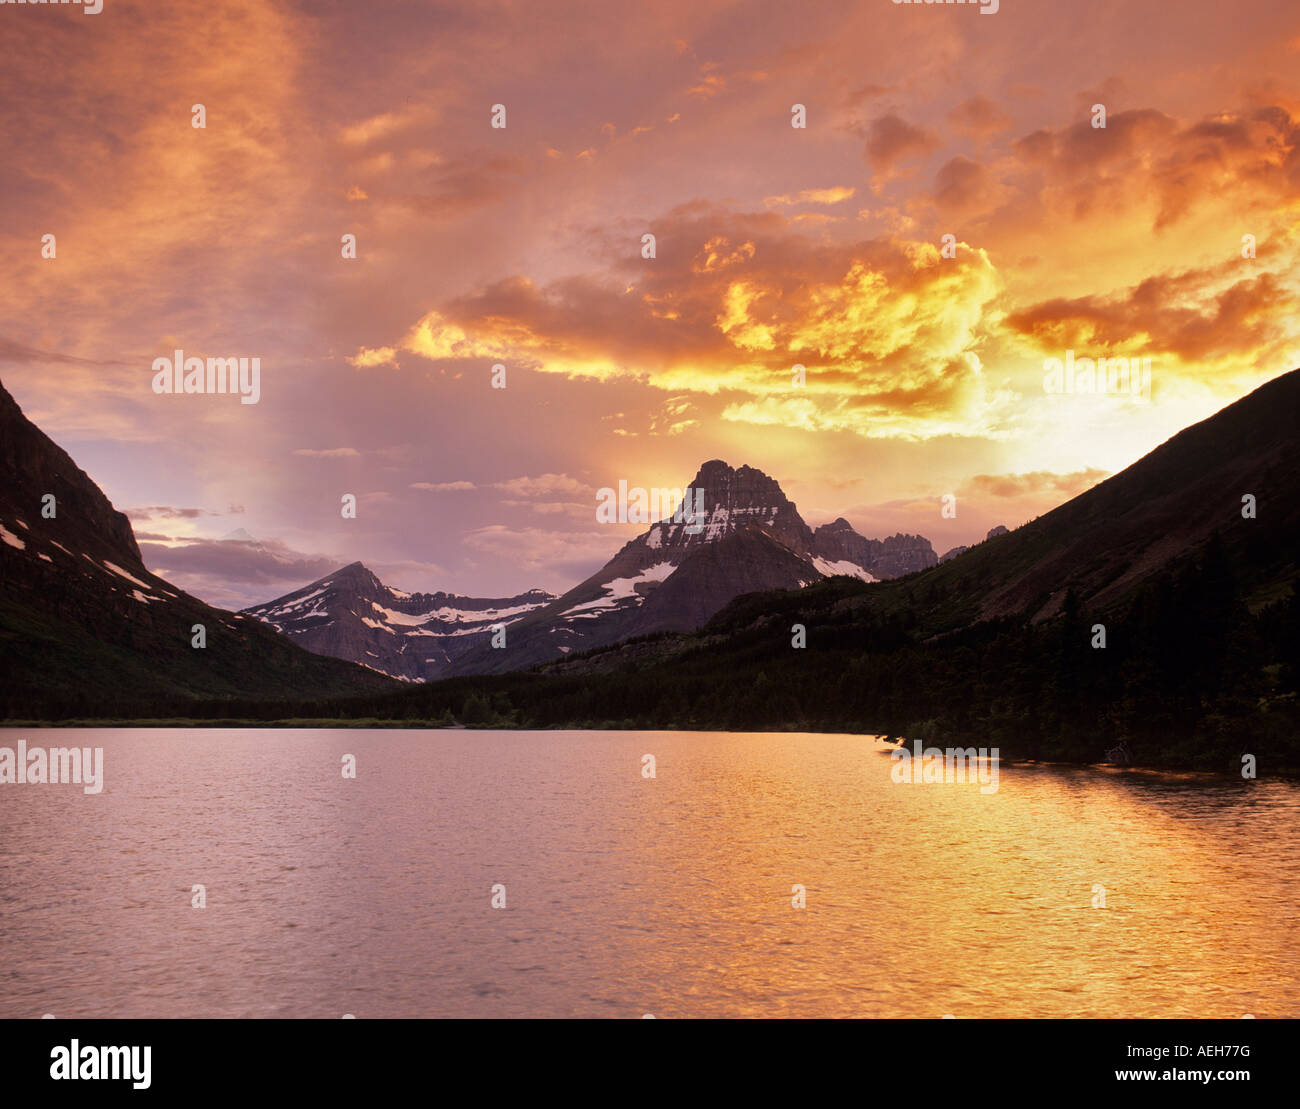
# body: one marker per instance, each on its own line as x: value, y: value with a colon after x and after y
x: 839, y: 524
x: 742, y: 486
x: 883, y: 558
x: 351, y: 614
x: 723, y: 499
x: 353, y: 574
x: 713, y: 468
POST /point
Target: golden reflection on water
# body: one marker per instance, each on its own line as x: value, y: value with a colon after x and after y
x: 628, y: 895
x: 926, y: 899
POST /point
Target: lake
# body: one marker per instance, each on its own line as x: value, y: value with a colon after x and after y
x: 626, y: 895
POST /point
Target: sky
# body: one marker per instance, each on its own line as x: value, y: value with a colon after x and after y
x: 774, y: 246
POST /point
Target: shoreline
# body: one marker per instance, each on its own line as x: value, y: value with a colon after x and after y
x: 373, y: 724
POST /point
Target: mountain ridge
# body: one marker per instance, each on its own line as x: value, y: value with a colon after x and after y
x: 408, y: 636
x: 85, y: 624
x: 1196, y: 595
x: 673, y: 576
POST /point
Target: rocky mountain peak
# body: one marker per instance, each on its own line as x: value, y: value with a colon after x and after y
x: 354, y: 573
x: 883, y: 558
x: 351, y: 614
x: 721, y: 500
x: 743, y: 487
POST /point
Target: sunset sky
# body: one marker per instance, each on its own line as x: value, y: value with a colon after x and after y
x: 774, y: 246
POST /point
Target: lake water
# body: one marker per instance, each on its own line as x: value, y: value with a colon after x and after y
x: 627, y: 895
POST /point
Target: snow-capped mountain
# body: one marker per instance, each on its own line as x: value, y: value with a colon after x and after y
x: 741, y: 534
x: 351, y: 614
x: 748, y: 536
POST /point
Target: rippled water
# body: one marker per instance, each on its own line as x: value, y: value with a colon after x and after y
x: 627, y: 895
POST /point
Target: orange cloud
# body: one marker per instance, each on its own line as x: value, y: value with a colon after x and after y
x: 1062, y: 486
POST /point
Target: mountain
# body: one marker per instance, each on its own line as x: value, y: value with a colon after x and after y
x: 84, y: 625
x: 894, y: 557
x: 1107, y: 543
x: 1187, y: 560
x: 350, y: 614
x: 748, y: 536
x: 1110, y: 542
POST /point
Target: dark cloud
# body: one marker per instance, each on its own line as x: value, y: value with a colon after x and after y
x: 168, y: 512
x: 979, y: 116
x: 961, y: 184
x: 231, y: 571
x: 11, y: 351
x: 891, y: 138
x: 474, y: 182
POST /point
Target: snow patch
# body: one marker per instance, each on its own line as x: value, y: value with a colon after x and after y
x: 843, y: 566
x: 620, y: 589
x: 395, y: 617
x: 123, y: 574
x: 494, y: 615
x: 298, y: 602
